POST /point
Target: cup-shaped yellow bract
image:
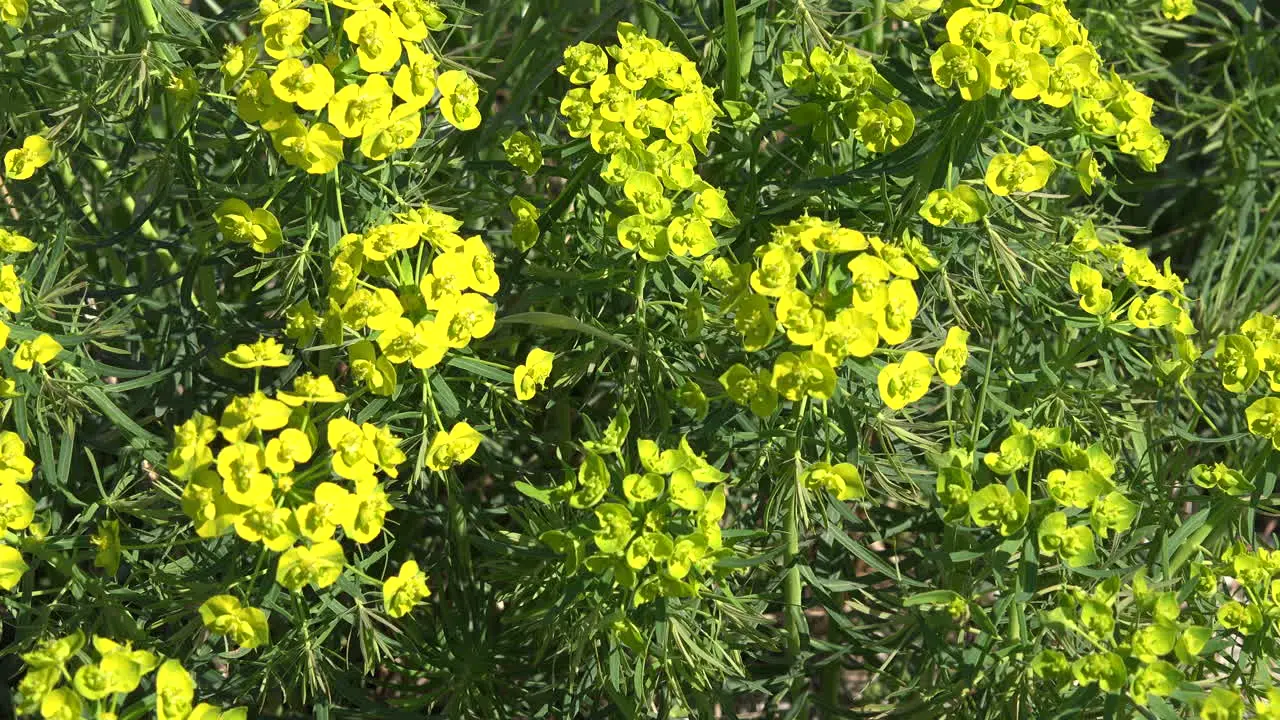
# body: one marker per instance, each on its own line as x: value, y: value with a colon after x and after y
x: 377, y: 45
x: 1027, y: 171
x: 964, y: 67
x: 453, y: 447
x: 402, y: 591
x: 21, y: 163
x: 905, y: 382
x: 458, y: 97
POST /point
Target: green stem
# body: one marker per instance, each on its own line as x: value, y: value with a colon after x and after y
x: 877, y: 26
x: 147, y: 12
x: 732, y: 60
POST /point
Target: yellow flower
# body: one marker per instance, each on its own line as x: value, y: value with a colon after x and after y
x: 330, y: 508
x: 1153, y: 311
x: 484, y: 275
x: 1025, y: 72
x: 464, y: 318
x: 421, y: 344
x: 1087, y: 282
x: 317, y: 149
x: 308, y: 388
x: 356, y: 106
x: 13, y: 12
x: 15, y: 466
x: 371, y: 507
x: 1027, y: 171
x: 307, y: 86
x: 10, y: 289
x: 255, y: 227
x: 413, y: 19
x: 376, y: 43
x: 901, y: 306
x: 961, y: 205
x: 354, y: 453
x: 320, y: 565
x: 226, y: 615
x: 290, y: 447
x: 266, y: 352
x: 905, y: 382
x: 40, y: 351
x: 376, y: 309
x: 282, y: 33
x: 13, y: 242
x: 415, y: 81
x: 209, y: 508
x: 458, y: 97
x: 245, y: 413
x: 241, y: 466
x: 1177, y: 9
x: 399, y: 131
x: 402, y: 591
x: 950, y: 359
x: 175, y: 691
x: 257, y: 103
x: 268, y: 524
x: 17, y: 509
x: 533, y: 374
x: 453, y: 447
x: 12, y: 567
x: 21, y: 163
x: 964, y: 67
x: 377, y: 373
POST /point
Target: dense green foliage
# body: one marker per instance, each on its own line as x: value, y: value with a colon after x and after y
x: 639, y: 359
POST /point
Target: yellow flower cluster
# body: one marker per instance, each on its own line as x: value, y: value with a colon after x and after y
x: 849, y: 308
x: 450, y: 308
x: 649, y: 140
x: 659, y: 537
x: 1244, y: 357
x: 101, y: 687
x: 1045, y: 55
x: 864, y: 101
x: 380, y: 106
x: 267, y: 481
x: 39, y: 350
x: 1088, y: 483
x: 14, y: 12
x: 1166, y: 305
x: 17, y: 507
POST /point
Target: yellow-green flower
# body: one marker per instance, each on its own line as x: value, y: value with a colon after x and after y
x: 226, y: 615
x: 960, y: 205
x: 308, y: 388
x: 399, y: 131
x: 14, y: 12
x: 15, y: 466
x: 12, y: 567
x: 1087, y: 283
x: 401, y: 592
x: 533, y: 373
x: 238, y: 58
x: 523, y: 151
x: 412, y: 20
x: 369, y: 516
x: 995, y: 505
x: 1027, y: 171
x: 10, y: 289
x: 316, y: 149
x: 950, y: 359
x: 1177, y: 9
x: 964, y: 67
x: 453, y: 447
x: 331, y: 507
x: 307, y: 86
x: 458, y: 97
x: 175, y: 691
x: 17, y: 508
x: 811, y: 374
x: 241, y: 466
x: 841, y: 480
x: 14, y: 243
x: 1074, y: 545
x: 21, y: 163
x: 272, y: 526
x: 39, y: 351
x: 257, y: 228
x: 320, y: 565
x: 884, y: 126
x: 905, y: 382
x: 467, y: 317
x: 282, y: 33
x: 583, y: 63
x: 248, y: 412
x: 266, y: 352
x: 415, y: 80
x: 357, y: 106
x: 377, y: 45
x: 1023, y: 71
x: 1153, y: 311
x: 1263, y: 418
x: 107, y: 540
x: 900, y: 308
x: 1087, y: 171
